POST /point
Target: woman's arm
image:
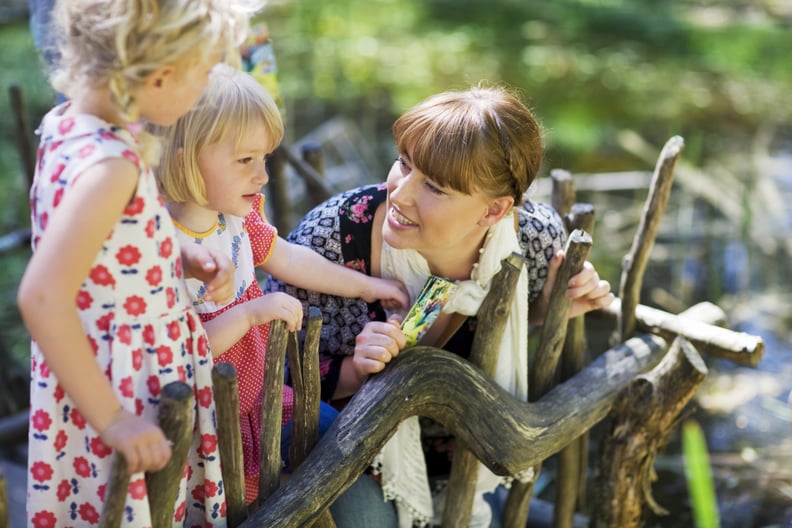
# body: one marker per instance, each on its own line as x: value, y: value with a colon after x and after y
x: 74, y: 236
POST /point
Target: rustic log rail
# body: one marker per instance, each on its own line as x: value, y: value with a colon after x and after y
x: 508, y: 437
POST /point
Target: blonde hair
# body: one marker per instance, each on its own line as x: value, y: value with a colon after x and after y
x: 231, y: 105
x: 118, y: 43
x: 483, y: 139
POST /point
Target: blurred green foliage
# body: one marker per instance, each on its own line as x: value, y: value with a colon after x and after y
x: 589, y: 68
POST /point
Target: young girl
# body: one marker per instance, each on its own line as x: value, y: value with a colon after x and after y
x: 211, y: 175
x: 103, y: 295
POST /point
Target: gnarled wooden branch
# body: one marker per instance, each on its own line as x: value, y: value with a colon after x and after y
x: 634, y: 263
x: 507, y: 435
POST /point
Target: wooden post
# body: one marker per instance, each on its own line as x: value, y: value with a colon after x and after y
x: 313, y: 156
x: 22, y: 123
x: 115, y: 494
x: 634, y: 263
x: 484, y: 354
x: 314, y: 182
x: 272, y: 411
x: 277, y: 190
x: 176, y: 419
x: 229, y: 441
x: 573, y: 459
x: 737, y: 347
x: 304, y: 370
x: 548, y: 352
x: 644, y: 416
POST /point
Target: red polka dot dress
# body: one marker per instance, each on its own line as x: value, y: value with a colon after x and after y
x: 248, y: 242
x: 145, y: 334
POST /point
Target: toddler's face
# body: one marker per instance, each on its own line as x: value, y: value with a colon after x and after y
x: 235, y: 173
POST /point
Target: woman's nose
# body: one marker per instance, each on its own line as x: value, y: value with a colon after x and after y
x: 401, y: 190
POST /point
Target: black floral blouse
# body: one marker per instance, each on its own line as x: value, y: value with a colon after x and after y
x: 340, y: 230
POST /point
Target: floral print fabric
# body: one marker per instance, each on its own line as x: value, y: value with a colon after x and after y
x: 134, y: 310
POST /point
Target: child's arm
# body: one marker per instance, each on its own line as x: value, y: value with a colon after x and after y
x: 231, y: 325
x: 46, y: 298
x: 212, y: 267
x: 304, y: 268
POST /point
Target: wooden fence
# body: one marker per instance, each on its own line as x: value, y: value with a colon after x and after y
x: 653, y: 360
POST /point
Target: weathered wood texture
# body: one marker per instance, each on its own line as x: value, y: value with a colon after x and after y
x: 176, y: 419
x: 634, y: 263
x: 272, y: 412
x: 507, y: 435
x: 304, y: 369
x: 229, y: 441
x: 175, y: 416
x: 572, y: 460
x: 484, y: 354
x: 644, y: 416
x: 739, y: 347
x: 115, y: 494
x: 548, y: 352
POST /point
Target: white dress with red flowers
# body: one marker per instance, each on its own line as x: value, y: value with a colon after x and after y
x: 135, y: 311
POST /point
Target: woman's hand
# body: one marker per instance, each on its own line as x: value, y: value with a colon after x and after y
x: 212, y: 267
x: 142, y: 444
x: 586, y: 291
x: 377, y: 345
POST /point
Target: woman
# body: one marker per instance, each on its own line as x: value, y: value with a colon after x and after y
x: 453, y: 207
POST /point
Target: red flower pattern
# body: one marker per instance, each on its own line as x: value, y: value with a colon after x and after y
x: 41, y: 472
x: 82, y: 467
x: 139, y: 328
x: 84, y: 300
x: 128, y: 256
x: 40, y: 421
x: 137, y: 489
x: 88, y: 513
x: 135, y: 305
x: 154, y: 276
x: 43, y: 519
x: 135, y: 207
x: 101, y: 275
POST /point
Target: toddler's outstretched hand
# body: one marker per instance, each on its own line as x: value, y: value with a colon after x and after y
x: 212, y: 267
x: 390, y: 292
x: 141, y: 442
x: 276, y: 306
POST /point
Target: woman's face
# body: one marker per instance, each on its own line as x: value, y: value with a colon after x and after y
x: 438, y: 222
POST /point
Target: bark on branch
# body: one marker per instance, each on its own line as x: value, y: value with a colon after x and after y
x: 507, y: 435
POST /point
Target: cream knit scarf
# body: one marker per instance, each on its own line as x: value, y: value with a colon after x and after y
x: 401, y: 461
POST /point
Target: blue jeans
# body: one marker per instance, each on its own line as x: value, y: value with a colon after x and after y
x: 362, y: 505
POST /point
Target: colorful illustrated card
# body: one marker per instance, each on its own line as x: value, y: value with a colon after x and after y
x: 428, y: 305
